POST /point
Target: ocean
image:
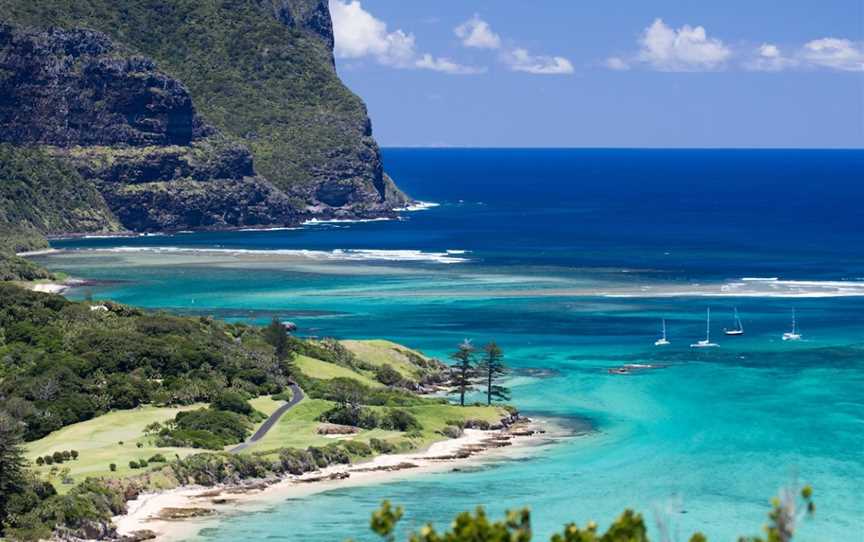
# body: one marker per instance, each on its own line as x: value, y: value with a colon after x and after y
x: 569, y: 259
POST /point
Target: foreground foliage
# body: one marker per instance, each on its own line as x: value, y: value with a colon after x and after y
x: 628, y: 527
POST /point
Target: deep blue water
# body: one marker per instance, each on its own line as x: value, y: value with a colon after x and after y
x: 571, y: 258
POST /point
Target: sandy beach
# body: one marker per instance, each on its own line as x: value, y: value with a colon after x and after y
x: 158, y: 512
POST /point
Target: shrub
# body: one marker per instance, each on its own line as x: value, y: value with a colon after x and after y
x: 40, y: 461
x: 451, y: 431
x: 387, y: 375
x: 400, y: 420
x: 113, y: 467
x: 332, y: 454
x: 66, y: 455
x: 57, y: 456
x: 294, y: 461
x: 133, y: 464
x: 205, y: 428
x: 355, y: 416
x: 142, y: 463
x: 74, y: 454
x: 139, y: 444
x: 49, y: 460
x: 354, y: 447
x: 158, y: 458
x: 382, y: 446
x: 284, y: 395
x: 232, y: 401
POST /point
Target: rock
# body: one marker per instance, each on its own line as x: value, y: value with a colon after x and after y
x: 336, y: 429
x: 184, y: 513
x: 131, y: 130
x: 89, y: 530
x: 127, y: 95
x: 138, y: 536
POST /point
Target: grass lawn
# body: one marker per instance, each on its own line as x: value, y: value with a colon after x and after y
x: 380, y: 352
x: 298, y: 428
x: 98, y: 443
x: 265, y: 404
x: 323, y: 370
x: 434, y: 418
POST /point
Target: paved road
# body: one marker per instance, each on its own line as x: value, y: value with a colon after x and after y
x: 296, y: 397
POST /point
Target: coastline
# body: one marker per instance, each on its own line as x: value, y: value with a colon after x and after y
x: 180, y: 513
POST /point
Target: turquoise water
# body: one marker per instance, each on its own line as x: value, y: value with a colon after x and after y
x: 571, y: 279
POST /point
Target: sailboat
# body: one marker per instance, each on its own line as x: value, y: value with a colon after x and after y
x: 662, y: 341
x: 739, y: 327
x: 706, y: 343
x: 793, y: 335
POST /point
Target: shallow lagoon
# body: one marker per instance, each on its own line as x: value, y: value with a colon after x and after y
x: 572, y: 277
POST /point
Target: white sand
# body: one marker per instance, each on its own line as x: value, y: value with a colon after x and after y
x: 144, y: 511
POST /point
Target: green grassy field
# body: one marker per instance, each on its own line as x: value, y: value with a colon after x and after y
x: 298, y: 428
x: 328, y: 371
x: 380, y: 352
x: 98, y: 442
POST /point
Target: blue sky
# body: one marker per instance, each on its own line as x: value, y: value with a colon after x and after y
x: 577, y: 73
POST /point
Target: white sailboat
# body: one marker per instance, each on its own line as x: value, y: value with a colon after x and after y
x: 662, y: 341
x: 739, y: 327
x: 793, y: 335
x: 706, y: 343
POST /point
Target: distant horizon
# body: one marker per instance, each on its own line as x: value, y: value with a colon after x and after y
x: 665, y: 74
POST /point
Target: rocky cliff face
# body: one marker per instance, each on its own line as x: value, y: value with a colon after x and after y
x: 130, y: 130
x: 193, y: 114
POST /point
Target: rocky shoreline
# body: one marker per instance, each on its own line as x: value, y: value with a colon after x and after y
x: 180, y: 513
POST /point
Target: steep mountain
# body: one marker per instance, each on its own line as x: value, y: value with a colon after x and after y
x: 185, y: 114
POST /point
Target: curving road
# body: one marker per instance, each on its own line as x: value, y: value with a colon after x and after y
x: 296, y: 397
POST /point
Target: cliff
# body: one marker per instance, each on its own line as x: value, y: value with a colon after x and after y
x: 185, y: 114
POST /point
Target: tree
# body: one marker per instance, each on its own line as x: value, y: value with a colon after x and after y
x: 11, y: 464
x: 491, y: 367
x: 463, y: 372
x: 277, y: 336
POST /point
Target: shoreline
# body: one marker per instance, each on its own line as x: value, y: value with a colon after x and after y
x: 180, y: 513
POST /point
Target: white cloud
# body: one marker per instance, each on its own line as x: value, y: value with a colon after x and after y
x: 617, y: 63
x: 768, y: 58
x: 359, y: 34
x: 521, y: 60
x: 475, y: 32
x: 685, y: 49
x: 838, y: 54
x: 446, y: 65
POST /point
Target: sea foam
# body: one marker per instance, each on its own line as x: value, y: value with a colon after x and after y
x: 333, y: 255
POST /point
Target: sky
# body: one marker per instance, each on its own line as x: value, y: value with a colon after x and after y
x: 614, y: 73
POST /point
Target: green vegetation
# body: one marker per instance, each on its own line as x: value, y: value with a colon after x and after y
x: 101, y: 441
x: 64, y: 363
x: 469, y: 372
x: 462, y: 374
x: 251, y: 75
x: 489, y: 369
x: 411, y: 364
x: 205, y: 428
x: 628, y: 527
x: 327, y: 371
x: 40, y: 195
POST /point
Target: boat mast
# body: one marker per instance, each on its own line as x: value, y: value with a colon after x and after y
x: 708, y: 326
